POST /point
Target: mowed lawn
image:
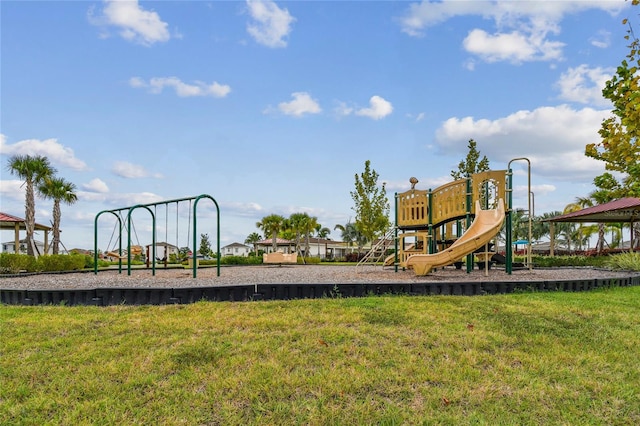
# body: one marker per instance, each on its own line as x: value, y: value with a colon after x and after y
x: 528, y: 358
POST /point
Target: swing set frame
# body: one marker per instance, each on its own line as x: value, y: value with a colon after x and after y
x: 118, y: 213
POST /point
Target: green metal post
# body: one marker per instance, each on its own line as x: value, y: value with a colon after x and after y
x: 395, y: 243
x: 508, y: 230
x: 432, y: 248
x: 195, y: 205
x: 153, y: 221
x: 469, y: 201
x: 95, y: 240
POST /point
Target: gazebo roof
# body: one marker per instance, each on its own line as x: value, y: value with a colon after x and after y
x: 8, y: 221
x: 622, y: 210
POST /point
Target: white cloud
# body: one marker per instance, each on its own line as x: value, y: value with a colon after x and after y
x: 601, y: 40
x: 584, y: 85
x: 57, y: 154
x: 553, y: 138
x: 301, y: 104
x: 514, y: 47
x: 131, y: 171
x: 134, y: 23
x: 183, y: 90
x: 96, y: 185
x: 522, y: 28
x: 342, y: 109
x: 13, y: 189
x: 242, y: 209
x: 378, y: 108
x: 270, y: 24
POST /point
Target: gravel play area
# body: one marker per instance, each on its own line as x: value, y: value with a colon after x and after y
x: 298, y: 274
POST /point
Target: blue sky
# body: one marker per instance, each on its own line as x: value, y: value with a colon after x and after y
x: 273, y: 107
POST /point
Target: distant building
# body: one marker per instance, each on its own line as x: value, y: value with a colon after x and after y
x: 10, y: 247
x: 235, y: 249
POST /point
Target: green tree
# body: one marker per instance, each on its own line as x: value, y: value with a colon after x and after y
x: 272, y: 225
x: 470, y: 164
x: 350, y: 235
x: 205, y: 245
x: 620, y: 133
x: 253, y: 239
x: 322, y: 231
x: 309, y: 227
x: 297, y: 223
x: 371, y: 204
x: 33, y: 170
x: 58, y: 190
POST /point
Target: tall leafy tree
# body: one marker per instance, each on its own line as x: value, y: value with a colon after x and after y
x: 620, y: 133
x: 205, y: 245
x: 271, y: 225
x: 33, y: 170
x: 472, y: 163
x: 60, y: 191
x: 371, y: 204
x: 253, y: 239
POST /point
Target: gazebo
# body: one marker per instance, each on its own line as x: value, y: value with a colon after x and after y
x: 10, y: 222
x: 624, y: 210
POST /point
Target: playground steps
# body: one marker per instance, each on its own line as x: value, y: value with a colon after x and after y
x: 376, y: 255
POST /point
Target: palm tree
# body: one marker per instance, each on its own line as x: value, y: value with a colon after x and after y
x: 308, y: 226
x: 33, y: 170
x: 322, y: 231
x: 58, y: 190
x: 253, y: 239
x: 350, y: 235
x: 296, y: 222
x: 271, y: 225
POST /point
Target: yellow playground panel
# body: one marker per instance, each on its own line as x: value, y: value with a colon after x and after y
x: 428, y: 217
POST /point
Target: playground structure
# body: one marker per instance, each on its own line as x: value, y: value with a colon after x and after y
x: 434, y: 228
x: 129, y: 251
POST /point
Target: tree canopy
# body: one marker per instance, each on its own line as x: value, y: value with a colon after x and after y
x: 470, y: 164
x: 620, y: 146
x: 371, y: 204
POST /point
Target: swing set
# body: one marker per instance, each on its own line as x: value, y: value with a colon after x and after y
x: 118, y: 213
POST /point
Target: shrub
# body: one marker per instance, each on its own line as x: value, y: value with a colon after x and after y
x: 308, y: 260
x: 566, y: 261
x: 13, y: 263
x: 240, y: 260
x: 353, y: 257
x: 629, y: 261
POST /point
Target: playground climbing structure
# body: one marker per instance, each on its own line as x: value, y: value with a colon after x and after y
x: 431, y: 224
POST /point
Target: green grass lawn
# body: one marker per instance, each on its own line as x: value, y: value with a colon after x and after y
x: 537, y: 358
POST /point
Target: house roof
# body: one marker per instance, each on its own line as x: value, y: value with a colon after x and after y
x: 8, y: 221
x: 236, y: 245
x: 279, y: 241
x: 622, y: 210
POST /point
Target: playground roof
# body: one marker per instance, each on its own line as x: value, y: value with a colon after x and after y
x: 622, y: 210
x: 8, y: 221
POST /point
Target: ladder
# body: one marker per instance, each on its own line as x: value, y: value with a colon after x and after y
x: 377, y: 252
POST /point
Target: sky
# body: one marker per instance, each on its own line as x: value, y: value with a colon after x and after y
x: 274, y: 107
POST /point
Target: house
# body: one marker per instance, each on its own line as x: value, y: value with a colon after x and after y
x: 10, y: 247
x: 318, y: 247
x: 236, y: 249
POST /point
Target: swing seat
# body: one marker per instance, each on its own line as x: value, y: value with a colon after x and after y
x: 279, y: 258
